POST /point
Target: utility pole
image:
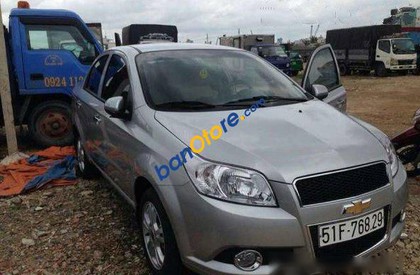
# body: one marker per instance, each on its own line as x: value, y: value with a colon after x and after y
x: 6, y: 100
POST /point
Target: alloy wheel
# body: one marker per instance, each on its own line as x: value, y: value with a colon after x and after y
x: 153, y: 235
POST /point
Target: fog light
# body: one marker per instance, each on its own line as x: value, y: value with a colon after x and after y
x: 402, y: 216
x: 248, y: 260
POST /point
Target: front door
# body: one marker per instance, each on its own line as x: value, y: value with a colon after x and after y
x: 322, y: 69
x: 118, y: 145
x: 57, y: 56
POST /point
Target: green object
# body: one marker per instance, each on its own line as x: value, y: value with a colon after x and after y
x: 296, y: 63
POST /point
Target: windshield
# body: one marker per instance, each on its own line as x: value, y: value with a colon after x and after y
x: 403, y: 46
x: 273, y: 51
x: 212, y: 79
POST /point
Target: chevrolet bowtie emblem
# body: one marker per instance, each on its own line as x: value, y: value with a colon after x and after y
x: 357, y: 207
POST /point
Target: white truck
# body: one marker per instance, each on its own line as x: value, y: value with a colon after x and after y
x: 380, y: 48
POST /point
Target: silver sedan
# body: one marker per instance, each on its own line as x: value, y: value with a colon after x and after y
x: 232, y: 167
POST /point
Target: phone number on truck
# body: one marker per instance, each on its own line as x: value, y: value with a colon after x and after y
x: 55, y: 82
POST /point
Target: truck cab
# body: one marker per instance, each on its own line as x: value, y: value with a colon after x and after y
x: 49, y: 51
x: 396, y: 54
x: 262, y: 45
x: 274, y: 54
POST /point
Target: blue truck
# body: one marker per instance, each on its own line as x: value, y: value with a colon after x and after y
x: 262, y: 45
x: 48, y: 52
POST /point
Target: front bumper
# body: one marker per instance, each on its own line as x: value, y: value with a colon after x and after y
x: 206, y: 227
x: 403, y: 67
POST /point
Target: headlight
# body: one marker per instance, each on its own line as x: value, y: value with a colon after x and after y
x: 394, y: 62
x: 230, y: 183
x: 392, y: 155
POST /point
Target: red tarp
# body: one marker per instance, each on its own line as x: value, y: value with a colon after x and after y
x: 17, y: 175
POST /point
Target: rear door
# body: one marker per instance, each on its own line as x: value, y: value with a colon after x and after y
x: 323, y: 69
x: 57, y: 56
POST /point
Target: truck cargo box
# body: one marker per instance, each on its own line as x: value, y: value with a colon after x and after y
x: 136, y: 33
x: 359, y: 37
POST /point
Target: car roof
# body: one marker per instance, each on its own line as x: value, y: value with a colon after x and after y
x: 153, y: 47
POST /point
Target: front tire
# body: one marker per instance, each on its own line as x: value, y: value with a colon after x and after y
x: 380, y: 70
x: 50, y: 124
x: 157, y: 236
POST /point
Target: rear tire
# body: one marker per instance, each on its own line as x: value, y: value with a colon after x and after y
x: 84, y: 168
x: 364, y: 72
x: 158, y: 237
x: 50, y: 124
x: 380, y: 70
x: 343, y: 69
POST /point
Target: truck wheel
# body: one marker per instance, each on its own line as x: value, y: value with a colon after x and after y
x: 380, y: 70
x: 343, y: 69
x: 158, y: 237
x: 416, y: 71
x: 364, y: 72
x: 50, y: 124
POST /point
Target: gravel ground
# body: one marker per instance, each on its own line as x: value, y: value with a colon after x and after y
x: 87, y: 228
x: 83, y: 229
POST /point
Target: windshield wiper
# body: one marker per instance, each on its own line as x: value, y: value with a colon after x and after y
x: 267, y: 99
x: 185, y: 105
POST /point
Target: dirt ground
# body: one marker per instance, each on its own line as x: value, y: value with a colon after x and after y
x: 87, y: 228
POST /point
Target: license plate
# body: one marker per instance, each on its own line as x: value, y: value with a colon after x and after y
x: 351, y: 229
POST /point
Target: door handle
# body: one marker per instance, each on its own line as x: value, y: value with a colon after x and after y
x: 36, y: 76
x: 97, y: 119
x: 78, y: 103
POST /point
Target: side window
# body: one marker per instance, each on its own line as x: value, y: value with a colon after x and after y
x: 94, y: 78
x: 116, y: 82
x: 385, y: 46
x: 323, y: 71
x: 61, y: 37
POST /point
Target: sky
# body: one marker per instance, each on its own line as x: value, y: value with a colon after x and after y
x: 287, y: 19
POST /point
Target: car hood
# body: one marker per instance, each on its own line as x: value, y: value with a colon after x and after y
x: 283, y: 142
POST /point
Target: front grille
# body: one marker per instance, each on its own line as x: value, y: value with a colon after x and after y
x: 345, y: 251
x: 405, y: 62
x: 343, y: 184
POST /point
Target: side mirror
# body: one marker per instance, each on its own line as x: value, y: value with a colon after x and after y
x: 319, y: 91
x: 115, y: 106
